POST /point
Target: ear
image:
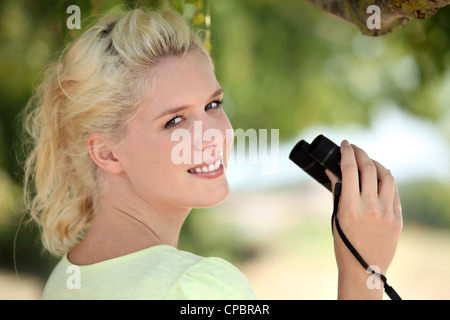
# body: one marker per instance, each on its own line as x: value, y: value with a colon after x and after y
x: 101, y: 151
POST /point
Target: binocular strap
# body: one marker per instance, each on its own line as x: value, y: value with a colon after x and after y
x: 334, y: 220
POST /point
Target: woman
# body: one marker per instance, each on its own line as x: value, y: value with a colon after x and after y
x: 111, y: 200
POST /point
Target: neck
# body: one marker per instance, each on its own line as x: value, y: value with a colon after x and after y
x: 125, y: 223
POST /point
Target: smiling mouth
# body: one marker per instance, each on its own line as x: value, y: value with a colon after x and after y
x: 206, y: 168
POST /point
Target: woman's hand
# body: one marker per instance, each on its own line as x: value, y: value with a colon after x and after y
x: 370, y: 216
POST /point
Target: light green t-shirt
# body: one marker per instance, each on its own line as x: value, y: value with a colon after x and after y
x: 159, y: 272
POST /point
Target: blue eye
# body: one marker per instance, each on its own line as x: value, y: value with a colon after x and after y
x: 173, y: 122
x: 214, y: 105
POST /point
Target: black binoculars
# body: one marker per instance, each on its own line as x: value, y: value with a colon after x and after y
x: 314, y: 158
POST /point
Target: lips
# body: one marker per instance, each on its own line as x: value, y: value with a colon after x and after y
x: 211, y: 168
x: 206, y: 168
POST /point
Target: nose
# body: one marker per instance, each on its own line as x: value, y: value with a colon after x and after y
x: 208, y: 142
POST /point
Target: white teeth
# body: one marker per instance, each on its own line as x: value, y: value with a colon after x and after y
x: 211, y: 167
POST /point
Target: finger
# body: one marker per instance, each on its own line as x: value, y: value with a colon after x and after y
x: 349, y: 169
x: 333, y: 178
x: 386, y: 185
x: 397, y: 205
x: 368, y: 172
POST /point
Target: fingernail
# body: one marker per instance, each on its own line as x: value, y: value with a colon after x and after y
x: 345, y: 143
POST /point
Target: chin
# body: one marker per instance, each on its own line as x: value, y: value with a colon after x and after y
x: 212, y: 197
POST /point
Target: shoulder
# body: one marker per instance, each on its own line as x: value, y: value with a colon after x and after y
x: 211, y: 278
x: 161, y: 272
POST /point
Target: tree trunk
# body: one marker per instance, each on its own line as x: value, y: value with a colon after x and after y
x: 393, y: 13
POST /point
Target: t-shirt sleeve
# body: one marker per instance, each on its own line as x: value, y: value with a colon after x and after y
x: 212, y: 279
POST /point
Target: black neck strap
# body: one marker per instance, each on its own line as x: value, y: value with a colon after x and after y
x: 334, y: 220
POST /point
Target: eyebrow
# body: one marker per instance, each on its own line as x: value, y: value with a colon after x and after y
x: 180, y: 108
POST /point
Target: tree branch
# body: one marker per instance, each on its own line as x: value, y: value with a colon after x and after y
x: 394, y: 13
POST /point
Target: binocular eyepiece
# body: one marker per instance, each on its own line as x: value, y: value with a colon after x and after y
x: 314, y: 158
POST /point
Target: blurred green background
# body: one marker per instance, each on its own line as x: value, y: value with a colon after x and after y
x: 284, y: 65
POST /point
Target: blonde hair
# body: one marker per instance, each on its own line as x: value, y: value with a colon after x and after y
x: 96, y: 86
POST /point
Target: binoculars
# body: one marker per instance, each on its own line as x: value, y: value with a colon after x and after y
x: 314, y: 158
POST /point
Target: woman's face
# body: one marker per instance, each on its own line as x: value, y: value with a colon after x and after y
x: 179, y: 132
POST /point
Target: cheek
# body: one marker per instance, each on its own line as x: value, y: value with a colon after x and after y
x: 147, y: 162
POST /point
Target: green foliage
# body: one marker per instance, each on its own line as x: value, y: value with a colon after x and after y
x: 283, y: 64
x: 426, y: 202
x: 287, y: 65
